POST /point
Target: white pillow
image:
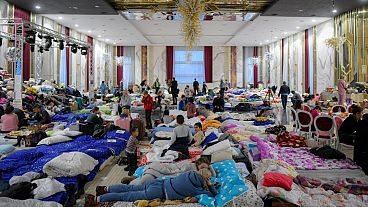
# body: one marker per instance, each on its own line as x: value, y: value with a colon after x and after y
x: 54, y: 139
x: 72, y: 133
x: 67, y: 132
x: 70, y: 164
x: 47, y: 187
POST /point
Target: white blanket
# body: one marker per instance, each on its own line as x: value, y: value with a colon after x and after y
x: 8, y: 202
x: 217, y: 147
x: 70, y: 164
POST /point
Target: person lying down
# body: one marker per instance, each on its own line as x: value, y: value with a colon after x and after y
x: 188, y: 184
x: 157, y: 170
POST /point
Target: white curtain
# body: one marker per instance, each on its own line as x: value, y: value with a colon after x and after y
x: 129, y: 65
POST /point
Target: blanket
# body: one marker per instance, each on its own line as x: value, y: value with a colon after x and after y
x: 346, y: 185
x: 33, y: 159
x: 301, y: 158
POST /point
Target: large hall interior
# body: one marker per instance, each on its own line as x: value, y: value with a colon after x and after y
x: 188, y: 103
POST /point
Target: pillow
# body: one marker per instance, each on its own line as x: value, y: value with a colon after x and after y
x: 6, y: 148
x: 54, y: 140
x: 67, y: 133
x: 275, y: 179
x: 222, y: 155
x: 47, y: 187
x: 211, y: 137
x: 72, y: 133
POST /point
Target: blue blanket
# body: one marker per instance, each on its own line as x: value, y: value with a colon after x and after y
x: 69, y: 118
x: 34, y: 159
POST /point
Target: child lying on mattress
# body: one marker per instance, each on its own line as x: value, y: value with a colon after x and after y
x: 156, y: 170
x: 188, y: 184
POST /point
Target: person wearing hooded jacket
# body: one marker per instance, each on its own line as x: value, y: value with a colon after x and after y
x: 196, y: 183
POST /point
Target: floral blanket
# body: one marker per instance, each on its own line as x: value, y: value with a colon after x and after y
x: 300, y: 158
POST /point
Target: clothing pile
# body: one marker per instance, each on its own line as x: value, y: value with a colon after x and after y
x: 285, y: 139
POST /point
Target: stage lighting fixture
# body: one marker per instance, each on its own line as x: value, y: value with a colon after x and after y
x: 40, y: 49
x: 61, y: 44
x: 48, y: 43
x: 74, y: 48
x: 84, y: 50
x: 31, y: 36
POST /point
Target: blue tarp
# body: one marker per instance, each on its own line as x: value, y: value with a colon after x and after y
x: 33, y: 160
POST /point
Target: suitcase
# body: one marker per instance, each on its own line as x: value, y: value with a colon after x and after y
x: 138, y: 123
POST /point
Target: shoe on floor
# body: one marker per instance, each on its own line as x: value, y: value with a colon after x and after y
x: 90, y: 201
x: 101, y: 190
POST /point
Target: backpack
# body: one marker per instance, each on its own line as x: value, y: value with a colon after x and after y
x: 19, y: 191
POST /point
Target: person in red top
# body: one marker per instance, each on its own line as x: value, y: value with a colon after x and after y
x: 148, y: 106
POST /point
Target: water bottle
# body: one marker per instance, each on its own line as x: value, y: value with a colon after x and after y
x: 22, y: 143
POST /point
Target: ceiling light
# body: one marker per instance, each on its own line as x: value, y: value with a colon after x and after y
x: 334, y: 11
x: 275, y: 37
x: 298, y: 27
x: 300, y: 10
x: 89, y: 31
x: 97, y: 6
x: 37, y: 7
x: 60, y: 17
x: 285, y: 32
x: 107, y: 40
x: 76, y: 25
x: 74, y: 7
x: 260, y: 43
x: 313, y: 20
x: 98, y: 35
x: 114, y: 43
x: 267, y: 40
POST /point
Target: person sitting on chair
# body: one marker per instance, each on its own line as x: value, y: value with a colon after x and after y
x: 348, y: 128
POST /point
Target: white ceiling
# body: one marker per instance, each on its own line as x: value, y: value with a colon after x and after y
x: 116, y: 29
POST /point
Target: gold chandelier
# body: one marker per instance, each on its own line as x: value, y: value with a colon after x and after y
x: 191, y: 10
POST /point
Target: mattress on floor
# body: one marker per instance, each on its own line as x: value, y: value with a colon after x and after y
x: 34, y: 159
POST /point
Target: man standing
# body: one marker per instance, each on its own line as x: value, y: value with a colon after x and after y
x: 222, y: 88
x: 103, y: 88
x: 148, y: 106
x: 174, y: 91
x: 284, y: 93
x: 195, y: 87
x: 157, y: 85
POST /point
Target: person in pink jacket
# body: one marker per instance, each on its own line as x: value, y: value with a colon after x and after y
x: 342, y: 87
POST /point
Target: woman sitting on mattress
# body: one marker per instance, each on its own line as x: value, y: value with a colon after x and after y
x: 157, y: 170
x: 182, y: 136
x: 188, y: 184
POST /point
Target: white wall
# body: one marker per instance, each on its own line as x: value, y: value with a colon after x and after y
x: 3, y: 49
x: 156, y: 64
x: 325, y: 57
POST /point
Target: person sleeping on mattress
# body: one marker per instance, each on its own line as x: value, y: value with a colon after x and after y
x: 188, y: 184
x: 157, y: 170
